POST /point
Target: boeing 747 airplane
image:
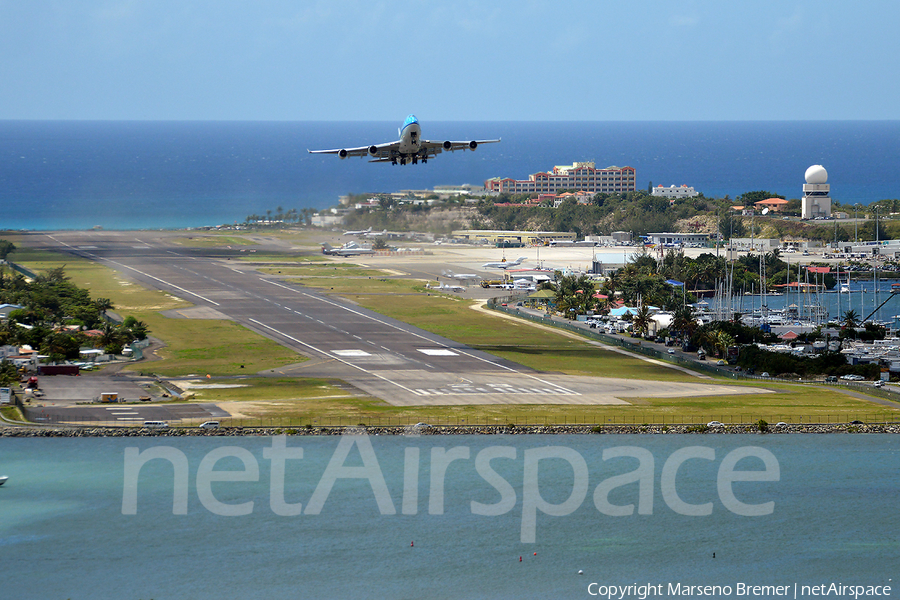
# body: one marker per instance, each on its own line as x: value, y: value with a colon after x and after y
x: 409, y: 148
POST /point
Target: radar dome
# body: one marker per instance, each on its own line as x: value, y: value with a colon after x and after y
x: 816, y: 174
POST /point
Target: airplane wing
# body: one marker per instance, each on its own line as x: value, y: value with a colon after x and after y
x: 379, y: 152
x: 434, y: 148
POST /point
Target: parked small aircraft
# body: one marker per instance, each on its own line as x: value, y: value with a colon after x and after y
x: 348, y: 249
x: 409, y: 148
x: 448, y: 288
x: 460, y: 276
x: 360, y: 232
x: 504, y: 264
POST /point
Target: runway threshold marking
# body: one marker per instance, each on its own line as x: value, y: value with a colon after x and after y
x: 338, y: 358
x: 418, y: 335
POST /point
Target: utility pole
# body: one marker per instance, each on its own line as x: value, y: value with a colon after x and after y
x: 876, y: 225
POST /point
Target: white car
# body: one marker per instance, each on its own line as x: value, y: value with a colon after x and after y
x: 209, y: 425
x: 671, y: 350
x: 715, y: 424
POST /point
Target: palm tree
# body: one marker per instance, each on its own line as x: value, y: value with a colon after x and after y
x: 683, y: 321
x: 850, y: 319
x: 722, y: 341
x: 102, y: 305
x: 640, y: 323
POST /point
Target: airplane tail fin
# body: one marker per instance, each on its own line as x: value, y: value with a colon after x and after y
x: 326, y: 247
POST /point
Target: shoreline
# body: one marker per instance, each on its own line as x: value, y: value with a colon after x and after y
x: 745, y: 429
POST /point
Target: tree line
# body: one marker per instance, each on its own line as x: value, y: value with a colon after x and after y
x: 58, y: 318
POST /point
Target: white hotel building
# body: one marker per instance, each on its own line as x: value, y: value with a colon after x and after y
x: 582, y: 176
x: 673, y: 192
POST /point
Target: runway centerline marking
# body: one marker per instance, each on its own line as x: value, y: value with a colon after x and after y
x: 413, y: 333
x: 338, y: 358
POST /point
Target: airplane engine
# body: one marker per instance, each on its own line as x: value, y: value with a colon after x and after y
x: 473, y: 144
x: 342, y: 153
x: 447, y: 145
x: 373, y: 151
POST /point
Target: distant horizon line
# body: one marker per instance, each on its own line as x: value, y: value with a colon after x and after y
x: 113, y: 120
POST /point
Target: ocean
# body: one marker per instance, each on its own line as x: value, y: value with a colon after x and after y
x: 148, y: 175
x: 488, y: 517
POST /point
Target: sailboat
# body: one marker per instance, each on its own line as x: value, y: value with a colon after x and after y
x: 845, y: 287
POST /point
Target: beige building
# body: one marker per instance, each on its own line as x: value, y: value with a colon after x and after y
x: 497, y: 236
x: 577, y: 176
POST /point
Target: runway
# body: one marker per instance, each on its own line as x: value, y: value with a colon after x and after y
x: 385, y: 358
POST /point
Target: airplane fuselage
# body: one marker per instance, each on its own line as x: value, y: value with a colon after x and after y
x: 410, y: 137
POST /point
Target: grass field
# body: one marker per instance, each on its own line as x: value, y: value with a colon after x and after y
x: 296, y: 401
x: 791, y: 405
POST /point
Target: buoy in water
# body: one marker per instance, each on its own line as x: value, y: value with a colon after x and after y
x: 520, y: 559
x: 412, y: 544
x: 580, y: 572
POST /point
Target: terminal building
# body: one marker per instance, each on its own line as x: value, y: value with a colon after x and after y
x: 577, y: 176
x: 668, y: 239
x: 512, y: 238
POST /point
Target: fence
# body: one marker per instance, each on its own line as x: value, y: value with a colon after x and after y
x: 568, y: 417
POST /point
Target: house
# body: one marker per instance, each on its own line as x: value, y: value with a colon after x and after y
x: 773, y: 204
x: 5, y: 309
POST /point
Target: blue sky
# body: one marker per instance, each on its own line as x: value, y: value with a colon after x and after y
x: 449, y: 60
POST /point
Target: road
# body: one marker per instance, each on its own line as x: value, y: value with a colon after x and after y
x: 382, y: 357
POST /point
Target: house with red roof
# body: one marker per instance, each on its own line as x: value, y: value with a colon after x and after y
x: 773, y: 204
